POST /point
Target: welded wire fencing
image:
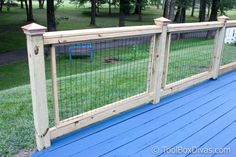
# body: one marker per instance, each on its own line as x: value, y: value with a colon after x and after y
x: 229, y: 54
x: 96, y: 73
x: 190, y: 54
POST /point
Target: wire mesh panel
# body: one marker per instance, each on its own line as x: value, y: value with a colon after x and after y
x: 93, y: 74
x: 190, y: 54
x: 229, y: 54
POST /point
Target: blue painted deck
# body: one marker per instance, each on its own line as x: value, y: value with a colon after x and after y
x: 203, y: 116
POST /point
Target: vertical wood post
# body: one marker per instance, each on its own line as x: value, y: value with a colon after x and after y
x: 54, y: 86
x: 218, y: 47
x: 159, y: 56
x: 166, y: 61
x: 35, y: 48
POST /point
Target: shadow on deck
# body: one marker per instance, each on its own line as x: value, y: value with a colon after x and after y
x: 202, y: 117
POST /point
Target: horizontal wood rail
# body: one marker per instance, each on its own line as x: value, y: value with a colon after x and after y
x: 185, y: 83
x: 186, y: 27
x: 231, y: 23
x: 94, y: 34
x: 228, y: 67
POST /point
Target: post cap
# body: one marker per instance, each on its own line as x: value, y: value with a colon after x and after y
x: 162, y: 21
x: 222, y: 18
x: 33, y: 29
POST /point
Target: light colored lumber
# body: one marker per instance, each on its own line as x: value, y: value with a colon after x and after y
x: 166, y: 61
x: 159, y: 56
x: 99, y: 114
x: 186, y: 27
x: 218, y: 47
x: 227, y: 68
x: 150, y: 63
x: 101, y: 33
x: 54, y: 85
x: 185, y: 83
x: 231, y: 23
x: 35, y: 49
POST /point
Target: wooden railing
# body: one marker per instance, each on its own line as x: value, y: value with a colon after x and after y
x: 157, y: 85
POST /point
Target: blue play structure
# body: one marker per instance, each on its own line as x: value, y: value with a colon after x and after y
x: 85, y: 49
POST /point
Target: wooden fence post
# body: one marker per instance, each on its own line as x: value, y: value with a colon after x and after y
x: 35, y: 48
x: 219, y: 47
x: 158, y: 60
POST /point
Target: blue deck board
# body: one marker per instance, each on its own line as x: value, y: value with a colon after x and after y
x: 197, y: 116
x: 225, y: 137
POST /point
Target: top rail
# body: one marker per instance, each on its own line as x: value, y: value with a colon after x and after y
x: 185, y: 27
x: 100, y: 33
x: 231, y: 23
x: 63, y: 37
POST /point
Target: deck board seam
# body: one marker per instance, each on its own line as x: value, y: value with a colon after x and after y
x: 160, y: 116
x: 215, y: 135
x: 233, y: 108
x: 184, y: 126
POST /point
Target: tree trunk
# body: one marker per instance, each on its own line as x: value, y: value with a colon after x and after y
x: 41, y: 4
x: 51, y: 21
x: 21, y: 4
x: 109, y: 7
x: 93, y: 13
x: 172, y: 10
x: 165, y: 9
x: 193, y: 8
x: 214, y: 10
x: 177, y: 15
x: 208, y: 10
x: 29, y: 11
x: 122, y: 13
x: 202, y: 12
x: 138, y: 9
x: 158, y: 2
x: 180, y: 16
x: 30, y: 16
x: 26, y: 9
x: 183, y: 17
x: 97, y: 7
x: 1, y: 4
x: 8, y: 5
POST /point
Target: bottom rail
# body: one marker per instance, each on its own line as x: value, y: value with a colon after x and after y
x: 99, y: 114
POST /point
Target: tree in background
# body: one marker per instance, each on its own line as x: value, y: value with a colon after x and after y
x: 93, y: 13
x: 138, y: 9
x: 124, y: 9
x: 171, y: 14
x: 169, y: 9
x: 93, y: 8
x: 225, y: 5
x: 165, y: 8
x: 41, y: 4
x: 180, y: 16
x: 109, y: 6
x: 214, y: 10
x: 202, y: 11
x: 193, y: 8
x: 1, y: 4
x: 51, y: 21
x: 29, y: 10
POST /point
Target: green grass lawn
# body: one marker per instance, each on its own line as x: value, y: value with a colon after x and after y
x: 84, y: 85
x: 12, y: 37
